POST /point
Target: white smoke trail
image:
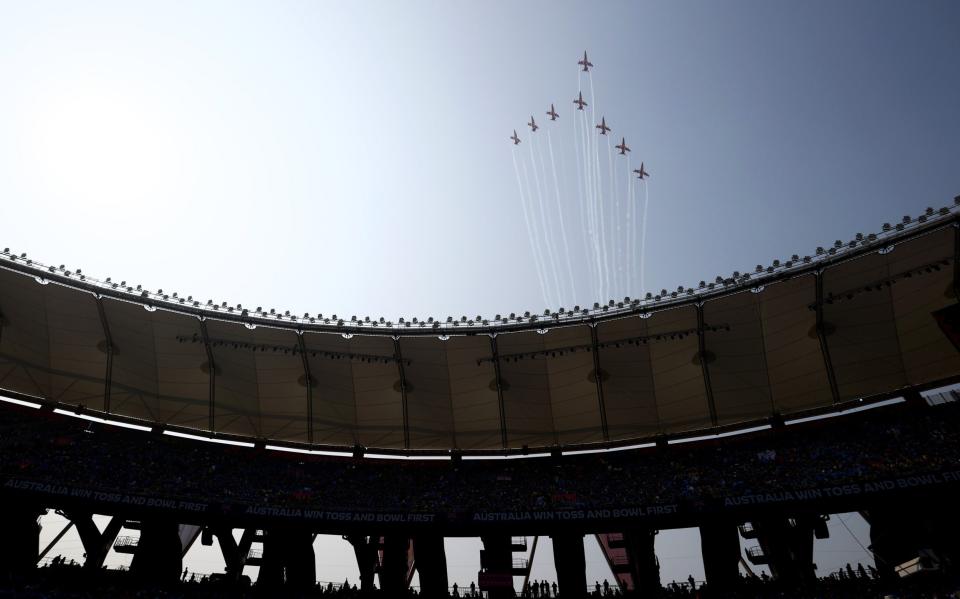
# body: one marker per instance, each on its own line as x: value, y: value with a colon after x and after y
x: 551, y: 260
x: 581, y: 182
x: 592, y: 202
x: 530, y: 236
x: 531, y: 207
x: 598, y: 191
x: 562, y: 181
x: 563, y: 227
x: 643, y: 238
x: 629, y: 225
x: 578, y: 163
x: 617, y: 250
x: 586, y: 201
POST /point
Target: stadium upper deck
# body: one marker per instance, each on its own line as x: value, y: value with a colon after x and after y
x: 861, y: 319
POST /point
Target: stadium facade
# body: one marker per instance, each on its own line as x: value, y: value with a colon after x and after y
x: 859, y: 322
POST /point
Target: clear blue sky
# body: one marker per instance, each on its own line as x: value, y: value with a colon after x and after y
x: 353, y: 158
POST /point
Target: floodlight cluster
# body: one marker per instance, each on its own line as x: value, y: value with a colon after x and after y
x: 755, y: 280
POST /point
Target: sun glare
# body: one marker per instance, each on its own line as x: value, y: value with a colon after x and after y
x: 102, y: 146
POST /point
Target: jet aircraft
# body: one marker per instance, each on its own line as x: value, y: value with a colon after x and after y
x: 533, y: 124
x: 603, y: 126
x: 622, y: 146
x: 586, y: 64
x: 552, y: 113
x: 579, y: 102
x: 514, y: 137
x: 641, y: 172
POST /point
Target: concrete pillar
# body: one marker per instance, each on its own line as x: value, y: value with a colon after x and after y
x: 157, y: 560
x: 895, y: 537
x: 431, y: 560
x: 301, y: 563
x: 393, y: 573
x: 570, y: 563
x: 788, y: 546
x: 365, y: 549
x: 639, y: 543
x: 720, y: 546
x: 271, y: 560
x: 96, y: 544
x: 234, y: 553
x: 288, y: 558
x: 21, y: 546
x: 496, y: 560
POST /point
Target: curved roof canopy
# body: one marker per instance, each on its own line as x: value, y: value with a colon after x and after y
x: 854, y: 321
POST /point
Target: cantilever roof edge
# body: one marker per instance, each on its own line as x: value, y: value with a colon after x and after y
x: 930, y: 221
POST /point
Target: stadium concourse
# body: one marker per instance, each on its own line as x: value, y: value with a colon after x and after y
x: 751, y: 407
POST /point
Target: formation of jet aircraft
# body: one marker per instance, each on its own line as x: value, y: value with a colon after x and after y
x: 602, y: 125
x: 579, y: 102
x: 586, y: 64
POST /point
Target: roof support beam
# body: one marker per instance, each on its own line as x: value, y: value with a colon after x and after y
x: 108, y: 341
x: 403, y: 392
x: 763, y: 349
x: 496, y: 374
x: 212, y: 370
x: 822, y: 337
x: 708, y: 388
x: 597, y: 374
x: 309, y: 382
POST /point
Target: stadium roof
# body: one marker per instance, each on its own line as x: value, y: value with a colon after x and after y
x: 853, y: 321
